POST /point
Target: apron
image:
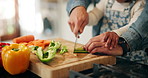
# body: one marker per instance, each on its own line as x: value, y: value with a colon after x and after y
x: 110, y: 20
x: 114, y: 20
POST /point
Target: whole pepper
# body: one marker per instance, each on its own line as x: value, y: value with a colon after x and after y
x: 1, y: 46
x: 15, y: 58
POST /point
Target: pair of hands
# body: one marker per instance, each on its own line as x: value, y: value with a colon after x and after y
x: 105, y: 43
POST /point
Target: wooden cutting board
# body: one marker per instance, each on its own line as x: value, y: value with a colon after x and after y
x: 59, y: 67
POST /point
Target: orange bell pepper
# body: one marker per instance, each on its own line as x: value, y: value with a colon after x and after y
x: 15, y: 58
x: 1, y: 46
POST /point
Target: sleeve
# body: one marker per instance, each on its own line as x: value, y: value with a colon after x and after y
x: 97, y: 13
x: 135, y: 13
x: 138, y: 31
x: 74, y: 3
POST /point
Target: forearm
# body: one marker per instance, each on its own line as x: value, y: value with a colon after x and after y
x: 136, y: 33
x: 94, y: 16
x: 74, y: 3
x: 97, y: 13
x: 135, y: 13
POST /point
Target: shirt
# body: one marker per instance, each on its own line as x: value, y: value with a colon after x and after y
x: 97, y: 13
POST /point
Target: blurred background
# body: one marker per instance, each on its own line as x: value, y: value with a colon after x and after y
x: 45, y: 19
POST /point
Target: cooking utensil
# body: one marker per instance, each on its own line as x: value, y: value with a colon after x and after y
x: 76, y: 41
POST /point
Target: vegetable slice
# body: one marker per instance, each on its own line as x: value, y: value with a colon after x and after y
x: 46, y: 56
x: 80, y: 50
x: 63, y: 50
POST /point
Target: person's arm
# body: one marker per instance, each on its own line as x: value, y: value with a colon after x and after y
x: 138, y: 31
x: 74, y: 3
x: 135, y: 13
x: 97, y: 13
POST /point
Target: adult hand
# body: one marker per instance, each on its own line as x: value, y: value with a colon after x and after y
x: 78, y: 19
x: 111, y: 39
x: 99, y: 47
x: 115, y: 51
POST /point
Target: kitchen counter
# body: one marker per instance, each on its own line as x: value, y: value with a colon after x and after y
x: 27, y: 74
x: 123, y: 64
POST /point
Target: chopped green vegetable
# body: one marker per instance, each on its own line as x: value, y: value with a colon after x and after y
x: 54, y: 44
x: 39, y: 52
x: 15, y: 49
x: 49, y: 54
x: 63, y: 50
x: 80, y: 50
x: 36, y: 47
x: 33, y: 49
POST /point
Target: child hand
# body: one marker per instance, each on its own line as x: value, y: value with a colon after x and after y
x: 111, y: 39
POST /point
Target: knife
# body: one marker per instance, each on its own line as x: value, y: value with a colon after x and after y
x: 76, y: 41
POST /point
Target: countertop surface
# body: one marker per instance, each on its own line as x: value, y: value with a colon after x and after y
x: 123, y: 64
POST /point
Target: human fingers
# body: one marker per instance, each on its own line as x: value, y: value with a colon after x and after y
x: 113, y: 41
x: 116, y: 43
x: 106, y: 35
x: 71, y: 24
x: 100, y: 50
x: 82, y: 27
x: 108, y: 43
x: 94, y: 45
x: 85, y: 22
x: 115, y: 51
x: 77, y: 23
x: 94, y: 39
x: 116, y: 39
x: 88, y: 43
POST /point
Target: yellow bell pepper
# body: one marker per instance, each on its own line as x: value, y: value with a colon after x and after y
x: 15, y: 58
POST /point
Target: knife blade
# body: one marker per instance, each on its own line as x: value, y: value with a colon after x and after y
x: 76, y: 41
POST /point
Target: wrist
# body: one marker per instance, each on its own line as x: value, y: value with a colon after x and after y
x: 81, y: 8
x: 78, y: 8
x: 124, y: 45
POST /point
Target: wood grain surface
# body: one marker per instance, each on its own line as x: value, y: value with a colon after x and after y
x: 60, y: 65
